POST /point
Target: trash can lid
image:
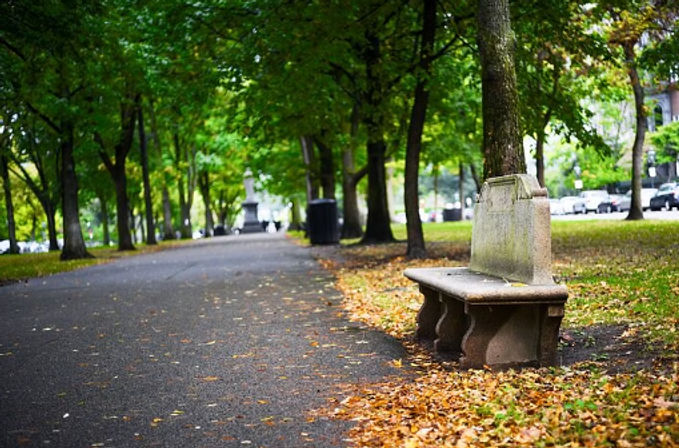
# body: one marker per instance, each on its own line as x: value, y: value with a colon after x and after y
x: 321, y: 201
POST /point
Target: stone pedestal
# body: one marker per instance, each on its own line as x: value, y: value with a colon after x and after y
x: 251, y: 223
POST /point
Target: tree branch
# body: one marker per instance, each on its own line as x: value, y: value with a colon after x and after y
x: 44, y: 118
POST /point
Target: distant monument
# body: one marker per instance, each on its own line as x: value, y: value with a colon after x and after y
x: 251, y: 224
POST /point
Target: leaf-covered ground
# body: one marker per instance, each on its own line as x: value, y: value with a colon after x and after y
x: 618, y: 382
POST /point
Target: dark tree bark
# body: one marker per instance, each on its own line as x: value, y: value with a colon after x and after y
x: 351, y: 227
x: 461, y: 188
x: 104, y: 221
x: 378, y: 226
x: 540, y: 158
x: 636, y: 210
x: 411, y: 195
x: 204, y: 186
x: 296, y: 215
x: 11, y: 226
x: 168, y: 231
x: 148, y: 203
x: 475, y: 176
x: 502, y: 149
x: 327, y: 168
x: 74, y: 243
x: 185, y: 192
x: 128, y: 118
x: 312, y: 184
x: 42, y: 191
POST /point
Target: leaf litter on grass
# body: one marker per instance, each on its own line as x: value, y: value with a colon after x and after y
x: 630, y: 287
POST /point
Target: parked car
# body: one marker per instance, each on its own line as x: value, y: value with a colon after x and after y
x: 572, y: 204
x: 593, y: 198
x: 556, y: 207
x: 646, y: 195
x: 667, y: 197
x: 612, y: 205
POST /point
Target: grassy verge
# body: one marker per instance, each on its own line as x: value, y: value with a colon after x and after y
x: 20, y: 267
x: 621, y: 275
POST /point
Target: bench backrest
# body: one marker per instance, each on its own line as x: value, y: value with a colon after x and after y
x: 511, y: 235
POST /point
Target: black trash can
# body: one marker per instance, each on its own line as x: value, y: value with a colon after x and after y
x: 322, y: 223
x: 452, y: 214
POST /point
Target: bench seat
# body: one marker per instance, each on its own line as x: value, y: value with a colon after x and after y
x: 477, y: 288
x: 488, y: 321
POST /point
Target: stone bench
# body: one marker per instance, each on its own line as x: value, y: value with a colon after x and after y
x: 505, y: 309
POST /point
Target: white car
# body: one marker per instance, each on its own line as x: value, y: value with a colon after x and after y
x: 646, y: 195
x: 593, y: 198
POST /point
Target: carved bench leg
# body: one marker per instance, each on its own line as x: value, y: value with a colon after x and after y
x: 451, y: 327
x: 551, y: 316
x: 429, y: 314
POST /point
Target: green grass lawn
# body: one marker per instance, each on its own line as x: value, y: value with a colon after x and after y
x: 616, y: 271
x: 20, y: 267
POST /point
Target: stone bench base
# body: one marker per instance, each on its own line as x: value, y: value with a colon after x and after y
x: 488, y: 321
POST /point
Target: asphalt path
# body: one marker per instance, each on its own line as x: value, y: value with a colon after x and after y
x: 232, y: 341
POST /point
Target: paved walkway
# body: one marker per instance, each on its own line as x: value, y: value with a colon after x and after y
x: 223, y: 342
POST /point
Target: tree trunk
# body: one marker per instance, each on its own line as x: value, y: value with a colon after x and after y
x: 411, y: 194
x: 204, y: 185
x: 327, y: 169
x: 184, y: 206
x: 132, y: 225
x: 74, y: 244
x: 635, y: 210
x: 168, y: 231
x: 116, y: 169
x: 11, y: 226
x: 310, y: 162
x: 475, y: 176
x: 296, y: 215
x: 104, y: 221
x: 50, y: 213
x: 502, y: 149
x: 378, y: 226
x: 148, y: 203
x: 540, y: 157
x: 351, y: 226
x: 461, y: 188
x: 122, y: 210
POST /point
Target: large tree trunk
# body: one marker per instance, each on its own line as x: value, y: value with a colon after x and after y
x: 122, y: 209
x: 351, y: 226
x: 148, y: 203
x: 636, y: 210
x: 74, y: 244
x: 502, y: 149
x: 378, y: 227
x: 411, y: 196
x: 312, y: 185
x: 116, y: 169
x: 11, y: 226
x: 327, y: 169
